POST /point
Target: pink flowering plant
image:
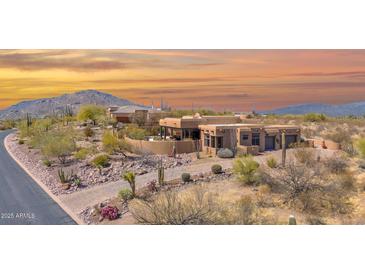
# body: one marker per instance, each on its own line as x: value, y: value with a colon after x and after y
x: 110, y: 212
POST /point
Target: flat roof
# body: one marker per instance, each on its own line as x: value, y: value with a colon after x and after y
x: 248, y: 126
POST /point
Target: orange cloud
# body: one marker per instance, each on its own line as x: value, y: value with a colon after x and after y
x: 221, y: 79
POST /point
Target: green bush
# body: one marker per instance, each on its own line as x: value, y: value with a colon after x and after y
x: 136, y: 133
x: 271, y: 162
x: 110, y: 142
x: 58, y: 145
x: 125, y: 194
x: 185, y: 177
x: 314, y: 117
x: 100, y: 161
x: 47, y: 162
x: 245, y: 169
x: 21, y: 142
x: 217, y: 169
x: 360, y: 147
x: 82, y: 154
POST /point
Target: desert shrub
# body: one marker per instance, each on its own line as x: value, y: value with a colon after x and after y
x: 57, y: 144
x: 245, y: 212
x: 125, y: 194
x: 193, y: 206
x: 47, y: 162
x: 339, y: 136
x: 8, y: 124
x: 152, y: 186
x: 130, y: 177
x: 82, y: 154
x: 271, y: 162
x: 360, y: 147
x: 263, y: 197
x: 100, y: 161
x: 217, y: 169
x: 314, y: 117
x: 91, y: 112
x: 245, y: 169
x: 308, y: 133
x: 136, y: 133
x: 185, y: 177
x: 310, y: 190
x: 110, y: 142
x: 306, y: 156
x: 346, y: 181
x: 88, y: 132
x: 21, y: 142
x: 315, y: 220
x: 110, y: 212
x: 225, y: 153
x: 337, y: 163
x: 344, y: 138
x: 361, y: 164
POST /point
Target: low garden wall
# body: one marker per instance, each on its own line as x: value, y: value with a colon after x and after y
x: 162, y: 147
x: 321, y: 143
x: 243, y: 150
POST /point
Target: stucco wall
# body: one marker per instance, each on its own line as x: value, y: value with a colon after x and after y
x: 321, y: 143
x: 162, y: 147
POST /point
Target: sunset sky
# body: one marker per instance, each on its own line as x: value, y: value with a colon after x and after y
x: 239, y: 80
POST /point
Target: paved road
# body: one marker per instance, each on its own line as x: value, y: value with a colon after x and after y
x: 22, y: 201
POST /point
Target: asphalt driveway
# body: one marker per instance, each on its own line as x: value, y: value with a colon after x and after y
x: 22, y: 201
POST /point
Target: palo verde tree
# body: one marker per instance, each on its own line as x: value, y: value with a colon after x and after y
x: 91, y: 112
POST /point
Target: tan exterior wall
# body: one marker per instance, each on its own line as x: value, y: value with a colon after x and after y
x: 243, y: 150
x: 162, y: 147
x: 320, y: 143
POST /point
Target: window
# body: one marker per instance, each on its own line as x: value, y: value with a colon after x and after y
x: 212, y: 141
x: 206, y: 140
x: 255, y: 139
x: 220, y: 142
x: 244, y: 138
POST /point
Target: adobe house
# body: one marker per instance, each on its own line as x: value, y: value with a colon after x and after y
x: 246, y: 138
x: 215, y: 132
x: 131, y: 114
x: 187, y: 127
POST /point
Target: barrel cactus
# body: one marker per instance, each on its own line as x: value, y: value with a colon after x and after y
x: 292, y: 220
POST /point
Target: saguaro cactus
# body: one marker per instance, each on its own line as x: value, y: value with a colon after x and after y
x: 292, y: 220
x: 161, y: 173
x: 283, y: 148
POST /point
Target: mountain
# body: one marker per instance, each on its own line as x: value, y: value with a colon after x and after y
x: 356, y: 109
x: 47, y: 106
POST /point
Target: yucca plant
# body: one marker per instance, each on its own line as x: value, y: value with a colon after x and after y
x: 130, y: 177
x: 245, y: 169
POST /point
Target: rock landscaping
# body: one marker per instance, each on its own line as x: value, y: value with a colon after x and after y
x: 92, y: 215
x: 87, y: 174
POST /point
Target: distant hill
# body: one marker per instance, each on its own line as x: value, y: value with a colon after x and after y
x: 356, y: 109
x: 47, y: 106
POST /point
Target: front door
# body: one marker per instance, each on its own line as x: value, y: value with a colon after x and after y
x: 269, y: 142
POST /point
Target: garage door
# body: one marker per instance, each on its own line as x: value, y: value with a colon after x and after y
x: 269, y: 142
x: 290, y: 139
